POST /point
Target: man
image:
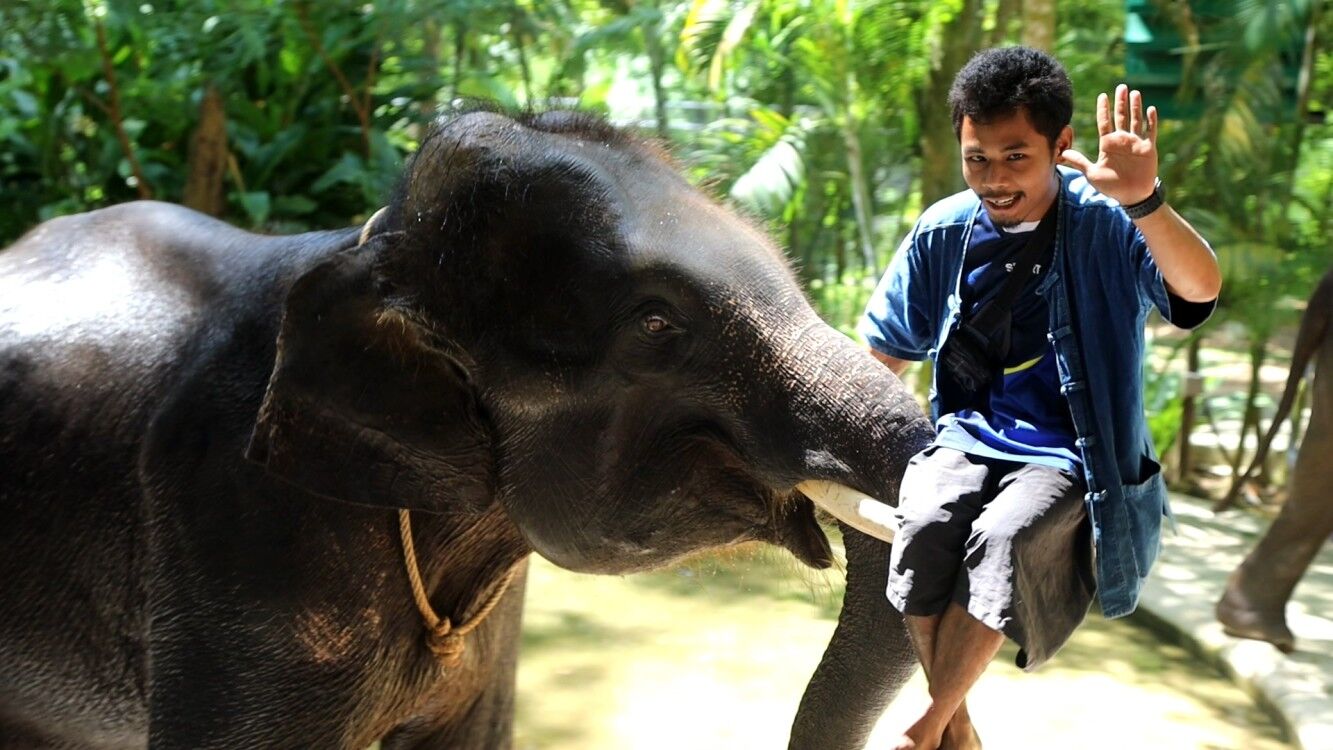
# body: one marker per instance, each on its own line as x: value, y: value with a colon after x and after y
x: 1039, y: 407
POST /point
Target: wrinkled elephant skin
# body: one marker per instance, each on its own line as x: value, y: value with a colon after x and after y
x: 548, y: 341
x: 1255, y: 601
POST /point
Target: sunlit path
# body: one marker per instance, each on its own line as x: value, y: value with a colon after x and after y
x: 715, y: 655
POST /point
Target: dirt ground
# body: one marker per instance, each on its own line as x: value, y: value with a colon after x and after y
x: 715, y: 655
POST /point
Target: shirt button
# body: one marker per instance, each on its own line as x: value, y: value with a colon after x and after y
x: 1050, y: 337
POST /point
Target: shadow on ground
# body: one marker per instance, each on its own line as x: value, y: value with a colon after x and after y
x: 715, y: 654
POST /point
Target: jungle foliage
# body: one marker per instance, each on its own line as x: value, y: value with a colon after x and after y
x: 824, y: 119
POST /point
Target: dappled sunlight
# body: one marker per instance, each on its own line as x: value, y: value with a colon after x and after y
x: 716, y: 654
x: 1189, y: 579
x: 1107, y: 666
x: 676, y: 661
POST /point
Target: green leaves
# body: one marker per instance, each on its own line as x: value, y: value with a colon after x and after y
x: 257, y: 206
x: 771, y: 183
x: 713, y: 32
x: 24, y: 102
x: 348, y: 169
x: 806, y: 113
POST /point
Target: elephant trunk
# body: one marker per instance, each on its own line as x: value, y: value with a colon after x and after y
x: 858, y: 426
x: 866, y: 662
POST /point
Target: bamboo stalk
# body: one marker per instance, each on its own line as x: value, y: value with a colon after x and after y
x: 114, y: 113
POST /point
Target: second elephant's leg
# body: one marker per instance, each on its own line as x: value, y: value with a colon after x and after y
x: 1255, y: 600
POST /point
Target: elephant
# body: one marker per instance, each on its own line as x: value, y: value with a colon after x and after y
x: 1254, y: 602
x: 280, y: 491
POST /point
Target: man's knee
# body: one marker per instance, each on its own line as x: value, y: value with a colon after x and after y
x: 932, y: 507
x: 926, y: 559
x: 932, y: 528
x: 994, y: 531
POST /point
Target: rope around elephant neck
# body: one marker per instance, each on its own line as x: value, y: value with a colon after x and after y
x: 443, y: 639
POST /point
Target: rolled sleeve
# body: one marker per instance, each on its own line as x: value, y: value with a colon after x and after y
x: 897, y: 320
x: 1152, y: 288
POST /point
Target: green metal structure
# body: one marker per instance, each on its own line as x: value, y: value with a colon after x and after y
x: 1175, y: 47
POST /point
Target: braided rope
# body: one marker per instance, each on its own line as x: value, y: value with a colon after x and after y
x: 443, y: 639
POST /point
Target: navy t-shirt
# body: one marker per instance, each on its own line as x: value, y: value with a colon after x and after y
x: 1027, y: 419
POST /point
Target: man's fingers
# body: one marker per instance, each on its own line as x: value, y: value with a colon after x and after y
x: 1103, y: 114
x: 1152, y: 125
x: 1071, y: 158
x: 1122, y: 107
x: 1136, y: 122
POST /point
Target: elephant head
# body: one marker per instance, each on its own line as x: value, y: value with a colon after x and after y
x: 548, y: 317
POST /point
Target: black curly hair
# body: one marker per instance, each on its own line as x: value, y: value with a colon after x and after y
x: 997, y: 82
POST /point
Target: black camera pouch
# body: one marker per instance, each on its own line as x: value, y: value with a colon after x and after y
x: 975, y: 352
x: 972, y: 357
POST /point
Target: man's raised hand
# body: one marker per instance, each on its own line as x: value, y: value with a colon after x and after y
x: 1126, y: 166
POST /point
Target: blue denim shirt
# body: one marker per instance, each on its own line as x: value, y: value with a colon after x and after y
x: 1099, y: 289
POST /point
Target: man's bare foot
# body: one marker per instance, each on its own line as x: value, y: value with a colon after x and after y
x: 957, y: 736
x: 960, y: 736
x: 925, y: 734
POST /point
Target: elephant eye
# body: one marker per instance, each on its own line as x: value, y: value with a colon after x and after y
x: 656, y: 323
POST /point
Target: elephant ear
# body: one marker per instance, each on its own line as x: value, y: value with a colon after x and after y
x: 365, y: 405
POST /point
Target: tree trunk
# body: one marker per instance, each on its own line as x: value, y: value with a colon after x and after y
x: 1295, y: 424
x: 115, y: 113
x: 1303, y: 83
x: 460, y: 57
x: 1039, y: 24
x: 862, y: 208
x: 430, y: 41
x: 1184, y: 462
x: 1006, y: 12
x: 657, y: 61
x: 207, y: 165
x: 1258, y: 351
x: 959, y: 39
x: 787, y: 102
x: 516, y: 24
x: 840, y: 260
x: 794, y: 248
x: 830, y: 215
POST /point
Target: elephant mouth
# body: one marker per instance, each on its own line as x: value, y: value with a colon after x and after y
x: 800, y: 534
x: 792, y: 523
x: 856, y: 509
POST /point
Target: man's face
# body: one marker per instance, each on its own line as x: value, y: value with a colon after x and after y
x: 1011, y: 166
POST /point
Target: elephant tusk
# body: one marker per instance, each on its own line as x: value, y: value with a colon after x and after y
x: 856, y: 509
x: 369, y: 227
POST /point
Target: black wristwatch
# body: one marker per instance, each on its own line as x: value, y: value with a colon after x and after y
x: 1149, y: 204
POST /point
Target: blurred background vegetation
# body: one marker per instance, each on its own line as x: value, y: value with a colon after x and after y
x: 824, y: 119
